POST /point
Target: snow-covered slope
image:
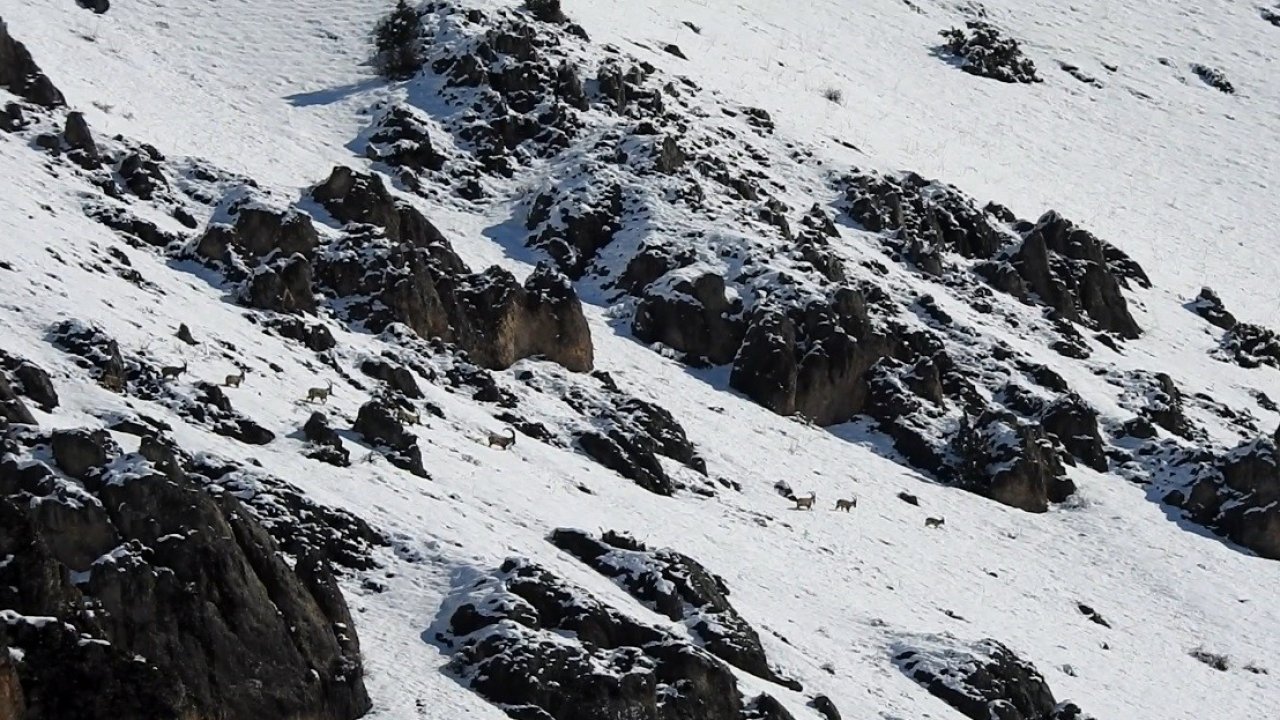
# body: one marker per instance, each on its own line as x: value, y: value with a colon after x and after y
x: 1173, y: 172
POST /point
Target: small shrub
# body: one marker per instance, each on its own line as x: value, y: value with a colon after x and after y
x: 397, y: 40
x: 835, y: 95
x: 548, y: 11
x: 1213, y: 660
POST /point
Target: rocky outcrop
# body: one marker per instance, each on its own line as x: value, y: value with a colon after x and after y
x: 575, y: 226
x: 1210, y: 307
x: 693, y: 316
x: 1010, y: 461
x: 982, y: 49
x: 326, y: 444
x: 982, y: 680
x: 1250, y: 346
x: 1238, y: 495
x: 1214, y: 78
x: 400, y: 139
x: 1164, y: 406
x: 1069, y: 270
x: 380, y: 427
x: 1074, y: 424
x: 20, y: 75
x: 538, y: 647
x: 678, y: 587
x: 183, y: 579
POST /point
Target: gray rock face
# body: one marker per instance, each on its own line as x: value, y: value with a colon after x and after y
x: 20, y: 75
x: 174, y: 573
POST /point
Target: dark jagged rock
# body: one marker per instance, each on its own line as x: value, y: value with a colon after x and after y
x: 80, y: 453
x: 20, y: 75
x: 1075, y: 424
x: 182, y: 577
x: 98, y: 351
x: 283, y: 286
x: 260, y: 232
x: 97, y: 6
x: 1165, y: 406
x: 1210, y: 307
x: 1214, y: 78
x: 1011, y: 462
x: 580, y: 227
x: 84, y: 150
x: 982, y: 681
x: 12, y: 409
x: 692, y: 316
x: 1238, y: 495
x: 327, y: 444
x: 131, y: 226
x: 625, y: 456
x: 1250, y: 346
x: 1068, y: 269
x: 142, y: 174
x: 652, y: 262
x: 510, y: 648
x: 379, y: 426
x: 398, y: 377
x: 984, y: 51
x: 401, y: 139
x: 825, y: 707
x: 766, y: 707
x: 679, y: 587
x: 314, y: 336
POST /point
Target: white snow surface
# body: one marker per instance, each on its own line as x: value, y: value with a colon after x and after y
x: 1182, y: 177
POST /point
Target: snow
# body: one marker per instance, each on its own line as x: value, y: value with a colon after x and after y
x: 1177, y: 174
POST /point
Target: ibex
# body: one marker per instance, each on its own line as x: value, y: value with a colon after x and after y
x: 502, y: 441
x: 934, y: 522
x: 805, y: 503
x: 234, y: 380
x: 847, y: 505
x: 407, y: 417
x: 321, y: 394
x: 172, y: 371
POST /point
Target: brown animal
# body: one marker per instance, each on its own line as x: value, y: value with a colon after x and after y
x: 847, y: 505
x: 234, y: 380
x: 805, y: 503
x: 934, y: 522
x: 502, y: 441
x: 320, y: 394
x: 172, y: 371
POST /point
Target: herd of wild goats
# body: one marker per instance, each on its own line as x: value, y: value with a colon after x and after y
x: 806, y: 503
x: 502, y: 442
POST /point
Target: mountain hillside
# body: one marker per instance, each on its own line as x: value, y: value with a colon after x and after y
x: 656, y: 359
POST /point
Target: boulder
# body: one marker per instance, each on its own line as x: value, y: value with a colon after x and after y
x: 20, y: 75
x: 1010, y: 461
x: 982, y: 49
x: 982, y: 681
x: 326, y: 443
x: 693, y: 316
x: 1238, y: 495
x: 378, y: 424
x: 80, y: 453
x: 1210, y: 307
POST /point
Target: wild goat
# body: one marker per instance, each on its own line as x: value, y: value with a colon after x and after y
x: 502, y: 441
x: 407, y: 417
x: 172, y: 371
x: 805, y: 503
x: 234, y: 380
x: 934, y: 522
x: 847, y: 505
x: 321, y: 394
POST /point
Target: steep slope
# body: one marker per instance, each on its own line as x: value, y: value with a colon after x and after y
x: 854, y: 607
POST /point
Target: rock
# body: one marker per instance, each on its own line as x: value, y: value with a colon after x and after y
x: 984, y: 51
x: 20, y: 75
x: 1011, y: 462
x: 909, y: 499
x: 1210, y: 307
x: 259, y: 232
x: 80, y: 140
x: 401, y: 139
x: 184, y: 334
x: 625, y: 457
x: 399, y: 378
x: 825, y: 707
x: 1075, y: 424
x: 194, y: 585
x: 1214, y: 78
x: 982, y: 681
x: 510, y: 322
x: 81, y: 454
x: 1250, y: 346
x: 327, y: 443
x: 650, y: 263
x: 352, y: 197
x: 678, y: 587
x: 1165, y: 407
x: 564, y: 655
x: 1067, y: 268
x: 670, y: 158
x: 1237, y: 495
x: 673, y: 49
x: 314, y: 336
x: 692, y: 316
x: 283, y: 286
x: 97, y: 6
x: 143, y: 176
x: 576, y: 227
x: 379, y: 426
x: 12, y: 409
